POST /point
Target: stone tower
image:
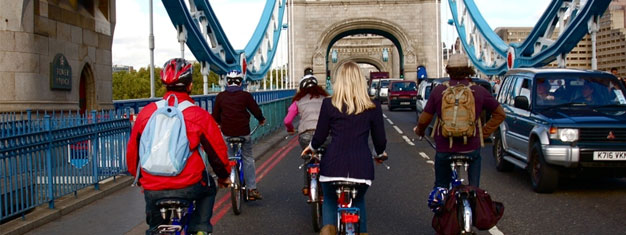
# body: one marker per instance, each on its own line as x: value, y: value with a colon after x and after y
x: 411, y: 25
x: 56, y: 54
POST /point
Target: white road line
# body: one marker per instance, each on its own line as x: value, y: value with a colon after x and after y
x: 424, y: 155
x: 389, y: 121
x: 495, y: 231
x: 408, y: 141
x: 385, y: 116
x: 398, y: 129
x: 430, y: 162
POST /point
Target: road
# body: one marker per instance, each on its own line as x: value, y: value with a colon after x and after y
x: 396, y: 201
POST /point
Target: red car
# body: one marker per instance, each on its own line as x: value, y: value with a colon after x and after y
x: 402, y: 94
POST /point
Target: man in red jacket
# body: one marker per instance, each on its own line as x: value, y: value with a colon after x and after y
x: 231, y: 112
x: 192, y: 183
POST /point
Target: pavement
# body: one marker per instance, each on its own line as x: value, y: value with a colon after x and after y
x: 43, y: 215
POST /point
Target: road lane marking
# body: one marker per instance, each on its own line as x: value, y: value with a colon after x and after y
x: 424, y: 155
x: 495, y: 231
x: 389, y: 121
x: 398, y: 129
x: 274, y: 159
x: 408, y: 141
x: 430, y: 162
x: 385, y: 116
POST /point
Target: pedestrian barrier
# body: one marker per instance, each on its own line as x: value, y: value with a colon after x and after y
x: 47, y: 155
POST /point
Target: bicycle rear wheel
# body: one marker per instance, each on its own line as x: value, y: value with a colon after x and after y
x: 236, y: 192
x: 464, y: 215
x: 316, y: 212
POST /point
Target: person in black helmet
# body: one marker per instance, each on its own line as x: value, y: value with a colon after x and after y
x: 231, y: 112
x: 192, y: 183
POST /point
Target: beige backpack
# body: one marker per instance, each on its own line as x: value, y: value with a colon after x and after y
x: 458, y: 114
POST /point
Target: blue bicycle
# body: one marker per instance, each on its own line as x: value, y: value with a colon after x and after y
x: 459, y: 164
x: 238, y: 186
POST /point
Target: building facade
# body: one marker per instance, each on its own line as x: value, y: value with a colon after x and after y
x: 56, y: 54
x: 611, y: 45
x: 412, y: 26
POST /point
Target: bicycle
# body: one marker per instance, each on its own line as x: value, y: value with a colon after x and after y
x: 463, y: 199
x: 348, y: 217
x: 315, y: 196
x: 238, y: 186
x: 177, y: 213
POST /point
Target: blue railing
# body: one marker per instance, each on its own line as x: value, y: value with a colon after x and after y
x: 44, y: 156
x: 274, y: 105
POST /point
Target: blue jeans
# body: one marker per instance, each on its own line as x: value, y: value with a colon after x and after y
x: 249, y: 170
x: 204, y: 197
x: 443, y: 171
x: 329, y: 207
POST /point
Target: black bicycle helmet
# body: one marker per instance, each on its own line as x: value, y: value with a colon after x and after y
x: 308, y: 81
x: 177, y: 72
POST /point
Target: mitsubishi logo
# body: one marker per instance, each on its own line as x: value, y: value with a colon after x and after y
x: 611, y: 136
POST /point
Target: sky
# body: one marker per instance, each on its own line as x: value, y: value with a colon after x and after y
x: 239, y: 18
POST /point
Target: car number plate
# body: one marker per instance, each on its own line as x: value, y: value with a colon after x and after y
x: 609, y: 155
x: 405, y: 103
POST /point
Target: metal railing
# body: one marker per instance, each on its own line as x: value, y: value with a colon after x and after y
x: 274, y: 105
x: 44, y: 156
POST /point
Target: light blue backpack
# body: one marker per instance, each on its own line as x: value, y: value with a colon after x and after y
x: 164, y: 147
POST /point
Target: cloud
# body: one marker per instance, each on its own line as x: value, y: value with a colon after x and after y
x: 130, y: 40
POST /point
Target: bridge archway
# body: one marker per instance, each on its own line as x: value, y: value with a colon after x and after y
x: 359, y: 60
x: 387, y: 29
x: 86, y: 90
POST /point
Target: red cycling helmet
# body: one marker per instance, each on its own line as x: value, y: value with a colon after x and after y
x: 177, y: 72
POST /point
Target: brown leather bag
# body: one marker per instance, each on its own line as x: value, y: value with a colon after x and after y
x: 485, y: 212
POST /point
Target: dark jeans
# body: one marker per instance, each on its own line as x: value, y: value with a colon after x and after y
x: 329, y: 206
x: 204, y: 197
x: 443, y: 170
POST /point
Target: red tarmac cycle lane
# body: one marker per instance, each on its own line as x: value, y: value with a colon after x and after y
x: 223, y: 204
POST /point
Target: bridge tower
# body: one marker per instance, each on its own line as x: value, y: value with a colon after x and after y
x: 411, y: 25
x: 56, y: 54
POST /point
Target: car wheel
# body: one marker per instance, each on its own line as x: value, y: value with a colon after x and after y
x: 498, y: 153
x: 544, y: 177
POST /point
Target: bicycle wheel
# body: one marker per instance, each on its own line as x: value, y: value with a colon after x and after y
x: 316, y: 212
x: 464, y: 215
x: 236, y: 192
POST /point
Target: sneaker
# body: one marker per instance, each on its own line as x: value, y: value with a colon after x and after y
x: 254, y: 194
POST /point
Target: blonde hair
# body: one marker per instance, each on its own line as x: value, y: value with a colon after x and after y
x: 350, y: 89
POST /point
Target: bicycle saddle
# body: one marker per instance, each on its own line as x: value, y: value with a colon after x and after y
x: 172, y: 203
x: 235, y: 140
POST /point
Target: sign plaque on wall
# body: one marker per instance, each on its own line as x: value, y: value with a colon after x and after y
x: 60, y: 73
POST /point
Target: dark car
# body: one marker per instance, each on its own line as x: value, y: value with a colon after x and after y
x: 561, y: 122
x: 402, y: 94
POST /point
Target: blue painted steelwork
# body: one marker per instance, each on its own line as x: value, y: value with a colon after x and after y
x: 274, y: 105
x: 44, y: 156
x: 220, y: 54
x: 538, y: 49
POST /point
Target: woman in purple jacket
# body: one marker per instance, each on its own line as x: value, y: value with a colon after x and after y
x: 348, y: 116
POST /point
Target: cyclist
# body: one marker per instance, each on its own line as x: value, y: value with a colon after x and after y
x: 307, y: 103
x: 348, y: 116
x: 231, y: 112
x: 192, y: 183
x: 460, y: 72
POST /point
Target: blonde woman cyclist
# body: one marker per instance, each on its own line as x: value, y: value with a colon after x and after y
x: 348, y: 116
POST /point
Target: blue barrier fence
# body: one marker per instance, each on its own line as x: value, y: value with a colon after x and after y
x: 44, y: 156
x: 47, y: 155
x: 274, y: 105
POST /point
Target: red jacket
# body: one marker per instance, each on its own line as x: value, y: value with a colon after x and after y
x: 201, y: 129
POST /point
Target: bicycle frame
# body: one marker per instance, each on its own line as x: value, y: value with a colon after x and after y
x: 348, y: 217
x: 236, y: 162
x: 465, y: 214
x: 176, y: 216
